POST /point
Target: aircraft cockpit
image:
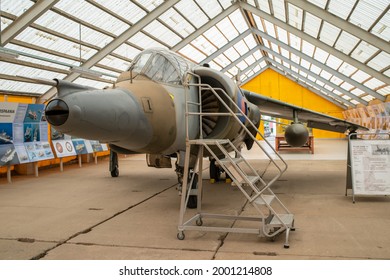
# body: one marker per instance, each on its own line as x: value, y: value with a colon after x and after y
x: 161, y: 66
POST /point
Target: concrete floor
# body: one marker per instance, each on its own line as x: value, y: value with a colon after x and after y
x: 83, y: 213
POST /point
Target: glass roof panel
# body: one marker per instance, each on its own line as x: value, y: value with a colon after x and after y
x: 52, y: 42
x: 384, y: 91
x: 225, y: 3
x: 382, y: 28
x: 93, y: 15
x: 342, y: 8
x: 346, y: 86
x: 264, y: 6
x: 282, y: 35
x: 16, y: 7
x: 295, y: 42
x: 367, y: 12
x: 374, y: 83
x: 360, y: 76
x: 326, y: 75
x: 270, y: 28
x: 319, y: 3
x: 295, y: 16
x: 241, y: 47
x: 115, y: 62
x: 71, y: 28
x: 160, y: 31
x: 124, y: 8
x: 230, y: 32
x: 321, y: 55
x: 222, y: 61
x: 174, y: 20
x: 204, y: 45
x: 380, y: 62
x: 258, y: 55
x: 364, y: 51
x: 250, y: 60
x: 279, y: 9
x: 346, y: 42
x: 215, y: 66
x: 305, y: 64
x: 347, y: 69
x: 127, y: 51
x: 214, y: 35
x: 144, y: 41
x: 150, y: 5
x: 308, y: 48
x: 192, y: 53
x: 91, y: 83
x: 9, y: 86
x: 329, y: 33
x: 250, y: 41
x: 232, y: 54
x: 238, y: 21
x: 211, y: 7
x: 312, y: 25
x: 192, y: 12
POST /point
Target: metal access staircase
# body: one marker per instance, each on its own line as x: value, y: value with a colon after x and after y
x: 272, y: 218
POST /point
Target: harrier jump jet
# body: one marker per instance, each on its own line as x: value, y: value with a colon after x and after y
x: 145, y: 111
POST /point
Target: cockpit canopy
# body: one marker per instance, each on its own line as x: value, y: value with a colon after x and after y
x: 161, y: 66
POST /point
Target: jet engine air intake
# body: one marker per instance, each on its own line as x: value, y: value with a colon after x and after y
x: 57, y: 112
x: 214, y: 126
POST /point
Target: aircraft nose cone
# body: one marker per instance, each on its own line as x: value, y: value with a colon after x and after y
x: 57, y: 112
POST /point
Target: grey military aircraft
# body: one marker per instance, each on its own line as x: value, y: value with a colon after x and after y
x: 145, y: 111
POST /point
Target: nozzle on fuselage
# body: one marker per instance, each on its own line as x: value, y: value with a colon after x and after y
x: 107, y: 115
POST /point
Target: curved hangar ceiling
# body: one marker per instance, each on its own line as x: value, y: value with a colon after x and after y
x: 337, y: 48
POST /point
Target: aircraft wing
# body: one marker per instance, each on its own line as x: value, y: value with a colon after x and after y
x: 279, y: 109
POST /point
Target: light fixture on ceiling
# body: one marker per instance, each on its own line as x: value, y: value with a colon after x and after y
x: 8, y: 53
x: 85, y: 71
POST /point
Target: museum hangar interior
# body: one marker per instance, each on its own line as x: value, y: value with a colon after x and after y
x: 327, y: 56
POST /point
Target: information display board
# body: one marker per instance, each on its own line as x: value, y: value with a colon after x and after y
x: 23, y: 134
x: 370, y: 167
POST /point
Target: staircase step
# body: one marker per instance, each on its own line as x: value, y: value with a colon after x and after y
x: 231, y: 160
x: 252, y: 179
x: 264, y: 198
x: 287, y: 219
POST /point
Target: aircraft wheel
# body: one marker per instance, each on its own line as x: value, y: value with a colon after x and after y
x: 115, y: 172
x: 215, y: 172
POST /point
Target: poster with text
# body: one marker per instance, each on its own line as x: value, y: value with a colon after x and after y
x: 370, y: 163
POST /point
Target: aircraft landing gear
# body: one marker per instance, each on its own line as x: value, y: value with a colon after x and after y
x: 114, y: 167
x: 193, y: 199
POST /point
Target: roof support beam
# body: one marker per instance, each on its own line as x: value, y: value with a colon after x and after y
x: 307, y: 71
x: 312, y: 89
x: 308, y: 82
x: 227, y: 46
x: 321, y: 65
x: 205, y: 27
x: 342, y: 24
x: 115, y: 43
x: 318, y: 43
x: 15, y: 28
